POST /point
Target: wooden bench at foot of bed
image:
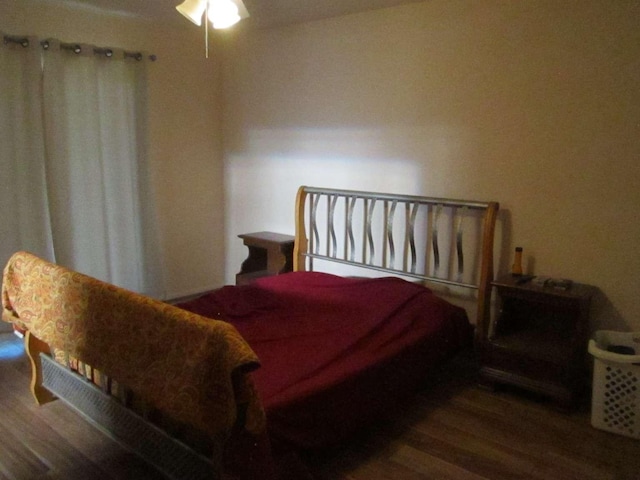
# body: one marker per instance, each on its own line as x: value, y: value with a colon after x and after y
x: 190, y: 373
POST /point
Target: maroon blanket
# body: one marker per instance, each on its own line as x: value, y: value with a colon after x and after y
x: 336, y: 351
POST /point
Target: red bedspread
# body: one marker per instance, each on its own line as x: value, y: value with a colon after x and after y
x: 336, y: 352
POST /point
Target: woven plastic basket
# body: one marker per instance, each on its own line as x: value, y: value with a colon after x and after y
x: 615, y: 405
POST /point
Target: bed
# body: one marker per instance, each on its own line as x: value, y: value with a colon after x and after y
x: 303, y: 359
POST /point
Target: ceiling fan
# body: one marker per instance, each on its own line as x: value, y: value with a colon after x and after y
x: 221, y: 13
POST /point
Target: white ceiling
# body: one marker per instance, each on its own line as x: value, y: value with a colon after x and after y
x: 263, y: 13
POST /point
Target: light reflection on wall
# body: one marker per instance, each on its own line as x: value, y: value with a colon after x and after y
x: 262, y: 180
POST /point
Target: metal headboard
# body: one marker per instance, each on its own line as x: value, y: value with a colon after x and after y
x: 419, y: 237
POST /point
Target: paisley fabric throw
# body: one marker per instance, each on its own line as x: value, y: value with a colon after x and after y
x: 192, y: 369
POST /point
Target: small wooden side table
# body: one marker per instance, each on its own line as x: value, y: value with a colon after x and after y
x: 269, y: 254
x: 539, y: 339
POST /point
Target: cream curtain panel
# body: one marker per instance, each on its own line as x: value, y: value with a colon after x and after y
x: 98, y: 204
x: 24, y: 211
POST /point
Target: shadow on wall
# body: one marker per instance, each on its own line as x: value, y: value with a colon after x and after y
x: 604, y: 316
x: 503, y: 238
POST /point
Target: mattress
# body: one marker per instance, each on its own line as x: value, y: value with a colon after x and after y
x: 336, y: 353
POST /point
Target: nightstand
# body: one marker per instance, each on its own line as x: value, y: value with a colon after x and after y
x: 538, y: 338
x: 269, y: 254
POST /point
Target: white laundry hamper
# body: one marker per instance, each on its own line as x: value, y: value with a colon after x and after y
x: 615, y: 404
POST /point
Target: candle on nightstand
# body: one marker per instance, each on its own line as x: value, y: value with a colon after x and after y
x: 516, y: 268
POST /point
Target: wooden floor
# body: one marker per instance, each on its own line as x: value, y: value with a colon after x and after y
x: 451, y: 430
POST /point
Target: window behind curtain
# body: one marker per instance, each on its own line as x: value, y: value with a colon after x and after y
x: 99, y: 200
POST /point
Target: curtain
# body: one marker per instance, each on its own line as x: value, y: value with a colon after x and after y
x: 24, y: 215
x: 101, y: 219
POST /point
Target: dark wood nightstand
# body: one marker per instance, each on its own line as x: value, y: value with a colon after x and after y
x: 269, y: 254
x: 538, y: 339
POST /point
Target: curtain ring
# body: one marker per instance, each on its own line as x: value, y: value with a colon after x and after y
x: 24, y: 41
x: 107, y: 52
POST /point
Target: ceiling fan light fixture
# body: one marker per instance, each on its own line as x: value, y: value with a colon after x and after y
x: 221, y: 13
x: 193, y: 10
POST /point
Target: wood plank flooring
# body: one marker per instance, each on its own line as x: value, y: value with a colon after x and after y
x: 453, y: 429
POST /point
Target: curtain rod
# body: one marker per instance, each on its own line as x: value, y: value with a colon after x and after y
x: 76, y: 48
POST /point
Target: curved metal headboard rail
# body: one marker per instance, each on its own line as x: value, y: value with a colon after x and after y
x: 383, y: 250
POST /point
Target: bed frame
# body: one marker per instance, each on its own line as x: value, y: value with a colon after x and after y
x: 438, y: 241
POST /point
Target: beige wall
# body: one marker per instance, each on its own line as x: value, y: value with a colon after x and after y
x: 535, y: 104
x: 184, y: 127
